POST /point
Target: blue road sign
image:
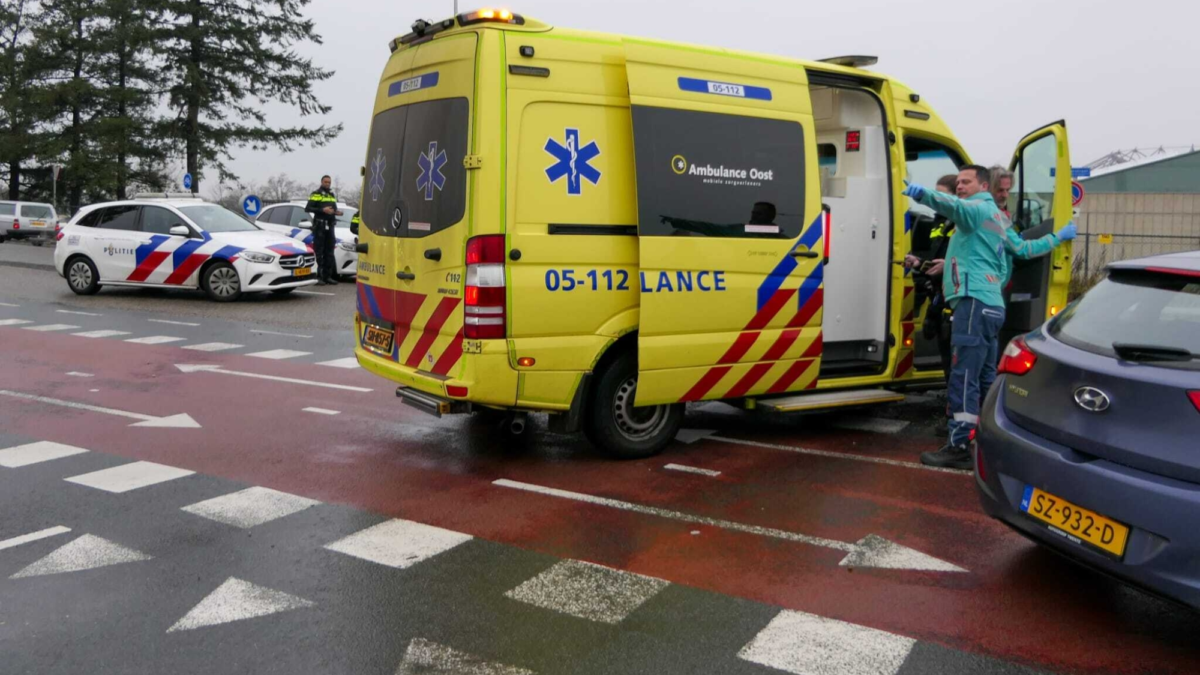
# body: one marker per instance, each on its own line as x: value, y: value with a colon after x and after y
x: 187, y: 181
x: 1076, y: 172
x: 251, y: 205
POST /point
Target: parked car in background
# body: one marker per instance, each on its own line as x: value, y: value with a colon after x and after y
x: 290, y: 219
x: 178, y: 242
x: 28, y: 220
x: 1089, y: 442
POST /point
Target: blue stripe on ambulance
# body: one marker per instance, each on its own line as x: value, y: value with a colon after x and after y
x: 779, y: 275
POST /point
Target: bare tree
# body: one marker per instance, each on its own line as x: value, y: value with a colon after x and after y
x: 282, y: 188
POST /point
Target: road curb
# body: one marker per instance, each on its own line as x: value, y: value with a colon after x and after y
x: 32, y: 266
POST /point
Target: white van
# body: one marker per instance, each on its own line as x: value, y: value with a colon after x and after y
x: 27, y: 220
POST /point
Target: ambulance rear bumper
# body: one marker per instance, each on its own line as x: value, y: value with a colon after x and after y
x: 431, y: 403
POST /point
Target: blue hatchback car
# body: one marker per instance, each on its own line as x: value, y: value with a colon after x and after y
x: 1089, y: 441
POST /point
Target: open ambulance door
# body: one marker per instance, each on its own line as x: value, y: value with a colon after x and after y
x: 730, y: 226
x: 1040, y: 203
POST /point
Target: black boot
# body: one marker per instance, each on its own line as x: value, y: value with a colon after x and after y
x: 949, y: 457
x: 331, y: 281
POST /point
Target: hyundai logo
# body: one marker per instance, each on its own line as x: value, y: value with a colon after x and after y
x: 1092, y: 399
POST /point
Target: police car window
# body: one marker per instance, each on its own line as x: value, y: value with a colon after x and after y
x: 36, y: 211
x: 295, y: 215
x: 267, y: 216
x: 157, y: 220
x: 213, y: 218
x: 119, y: 218
x: 347, y: 215
x: 1034, y: 185
x: 716, y: 175
x: 280, y: 215
x: 8, y: 209
x: 90, y: 219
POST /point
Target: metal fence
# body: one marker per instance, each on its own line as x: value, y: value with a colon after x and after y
x: 1093, y: 250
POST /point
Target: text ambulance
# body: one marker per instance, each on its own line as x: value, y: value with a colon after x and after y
x: 606, y: 228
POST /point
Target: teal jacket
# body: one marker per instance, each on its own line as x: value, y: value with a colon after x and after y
x: 978, y: 262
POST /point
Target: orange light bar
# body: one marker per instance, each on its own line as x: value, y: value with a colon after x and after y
x: 489, y: 14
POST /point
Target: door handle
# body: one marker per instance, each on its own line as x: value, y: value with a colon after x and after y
x: 433, y: 254
x: 805, y: 254
x: 406, y: 276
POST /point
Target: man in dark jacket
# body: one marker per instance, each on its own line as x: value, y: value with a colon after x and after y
x: 322, y: 206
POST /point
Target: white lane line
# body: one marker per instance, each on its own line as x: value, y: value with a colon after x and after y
x: 33, y: 536
x: 236, y: 600
x: 250, y: 507
x: 68, y: 311
x: 85, y: 553
x: 348, y: 362
x: 870, y: 551
x: 74, y: 373
x: 34, y: 453
x: 51, y: 327
x: 874, y: 425
x: 279, y: 354
x: 588, y: 591
x: 425, y: 656
x: 8, y: 304
x: 102, y: 333
x: 129, y: 476
x: 271, y: 332
x: 332, y: 295
x: 14, y: 322
x: 323, y: 411
x: 155, y: 340
x: 842, y: 455
x: 807, y: 644
x: 691, y: 469
x: 213, y: 346
x: 180, y: 421
x: 196, y: 368
x: 173, y: 323
x: 398, y: 543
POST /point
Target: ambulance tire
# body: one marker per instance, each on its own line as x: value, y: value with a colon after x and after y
x: 619, y: 429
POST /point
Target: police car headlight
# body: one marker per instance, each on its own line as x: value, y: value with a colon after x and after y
x: 262, y: 258
x: 346, y: 245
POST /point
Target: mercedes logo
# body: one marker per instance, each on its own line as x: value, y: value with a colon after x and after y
x: 1092, y: 399
x: 397, y: 218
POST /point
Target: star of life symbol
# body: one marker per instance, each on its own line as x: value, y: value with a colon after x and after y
x: 377, y: 167
x: 573, y: 162
x: 431, y: 177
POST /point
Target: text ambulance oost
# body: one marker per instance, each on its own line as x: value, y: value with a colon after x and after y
x: 606, y: 228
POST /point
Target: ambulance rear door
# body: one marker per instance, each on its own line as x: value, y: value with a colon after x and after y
x: 1040, y: 203
x: 729, y: 222
x: 414, y: 206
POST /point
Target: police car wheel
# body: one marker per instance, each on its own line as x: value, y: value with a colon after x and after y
x: 622, y: 430
x: 221, y: 283
x: 82, y: 276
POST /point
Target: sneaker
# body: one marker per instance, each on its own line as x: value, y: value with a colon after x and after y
x: 949, y: 457
x: 332, y: 282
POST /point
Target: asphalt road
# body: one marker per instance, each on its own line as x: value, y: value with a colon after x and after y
x: 192, y: 487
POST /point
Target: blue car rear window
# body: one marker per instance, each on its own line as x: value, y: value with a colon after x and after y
x: 1136, y: 307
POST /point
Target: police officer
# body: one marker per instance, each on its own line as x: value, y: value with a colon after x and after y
x: 355, y: 221
x: 322, y: 206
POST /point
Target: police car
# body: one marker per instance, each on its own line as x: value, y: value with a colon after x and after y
x: 290, y: 219
x: 178, y: 241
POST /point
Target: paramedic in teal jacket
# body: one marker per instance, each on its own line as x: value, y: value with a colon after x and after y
x: 978, y: 264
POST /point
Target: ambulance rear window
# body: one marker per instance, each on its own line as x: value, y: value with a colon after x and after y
x: 415, y: 183
x: 716, y: 175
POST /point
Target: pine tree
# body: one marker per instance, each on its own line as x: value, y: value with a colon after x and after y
x: 225, y: 60
x: 20, y: 91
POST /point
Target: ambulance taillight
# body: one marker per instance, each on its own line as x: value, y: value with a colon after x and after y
x: 486, y: 299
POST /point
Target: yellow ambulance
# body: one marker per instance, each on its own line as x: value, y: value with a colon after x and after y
x: 606, y: 228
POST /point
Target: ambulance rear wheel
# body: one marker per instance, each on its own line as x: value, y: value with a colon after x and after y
x: 622, y: 430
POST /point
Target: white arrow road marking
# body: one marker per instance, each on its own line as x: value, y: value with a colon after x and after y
x: 185, y: 368
x: 841, y: 455
x: 429, y: 658
x: 85, y: 553
x: 236, y: 600
x: 180, y: 421
x: 33, y: 536
x: 871, y: 551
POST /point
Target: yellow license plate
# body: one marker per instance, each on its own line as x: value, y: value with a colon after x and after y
x: 302, y: 271
x: 379, y: 339
x: 38, y: 223
x: 1074, y: 522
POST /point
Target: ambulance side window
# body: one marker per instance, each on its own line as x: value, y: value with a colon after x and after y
x: 434, y: 183
x: 925, y: 162
x: 381, y: 200
x: 1034, y: 185
x: 717, y: 175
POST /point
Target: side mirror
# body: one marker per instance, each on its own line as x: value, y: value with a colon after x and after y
x: 180, y: 231
x: 304, y: 225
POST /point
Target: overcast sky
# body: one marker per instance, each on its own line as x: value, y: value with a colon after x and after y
x: 1122, y: 73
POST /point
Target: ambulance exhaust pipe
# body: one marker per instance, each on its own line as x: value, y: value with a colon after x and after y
x: 516, y: 423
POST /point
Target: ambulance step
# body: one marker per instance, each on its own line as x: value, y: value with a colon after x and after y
x: 434, y: 405
x: 832, y: 399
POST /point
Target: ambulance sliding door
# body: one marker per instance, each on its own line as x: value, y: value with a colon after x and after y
x: 729, y: 223
x: 1040, y: 203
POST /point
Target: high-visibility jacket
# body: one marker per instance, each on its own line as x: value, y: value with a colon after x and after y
x: 317, y: 201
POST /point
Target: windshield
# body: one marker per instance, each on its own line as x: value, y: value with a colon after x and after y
x: 347, y: 213
x: 213, y: 218
x: 1147, y: 309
